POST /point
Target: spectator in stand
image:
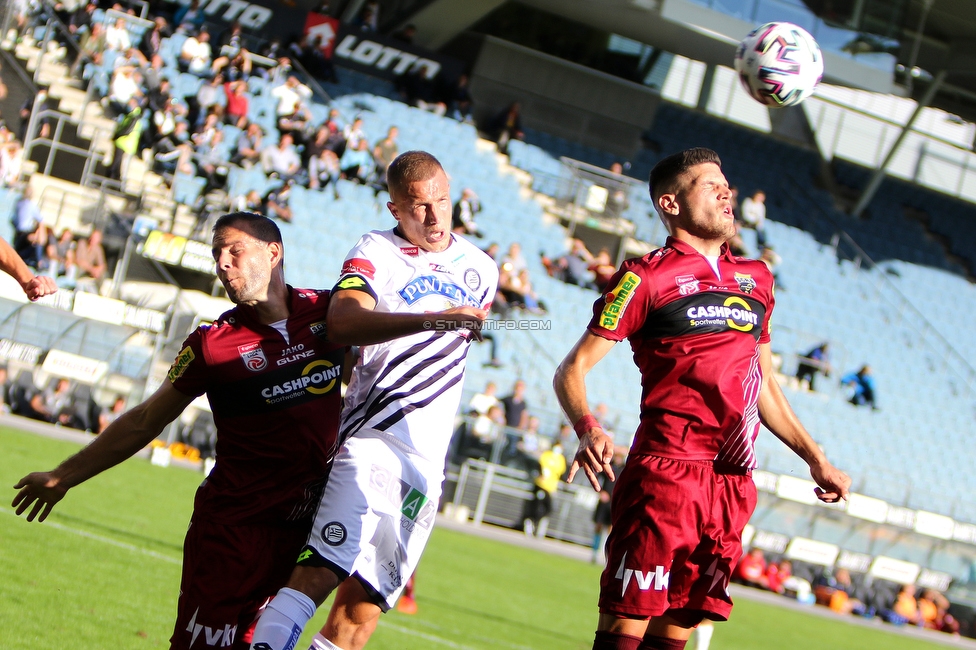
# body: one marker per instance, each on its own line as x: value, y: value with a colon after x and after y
x: 196, y: 57
x: 754, y: 215
x: 776, y: 574
x: 751, y: 570
x: 153, y: 79
x: 90, y: 257
x: 29, y: 229
x: 106, y: 418
x: 164, y: 121
x: 55, y: 405
x: 247, y: 149
x: 461, y: 104
x: 486, y: 429
x: 337, y: 136
x: 235, y: 68
x: 862, y: 383
x: 737, y: 246
x: 772, y: 260
x: 516, y: 408
x: 235, y: 111
x: 206, y: 100
x: 63, y: 266
x: 211, y: 162
x: 416, y: 89
x: 205, y: 134
x: 281, y: 160
x: 11, y: 163
x: 617, y: 199
x: 289, y: 95
x: 506, y: 126
x: 574, y: 266
x: 515, y: 259
x: 481, y: 402
x: 126, y: 86
x: 551, y: 465
x: 815, y: 361
x: 173, y: 153
x: 189, y: 18
x: 462, y: 219
x: 368, y: 19
x: 323, y: 170
x: 250, y: 202
x: 231, y: 41
x: 152, y: 40
x: 295, y: 123
x: 276, y: 202
x: 905, y: 609
x: 353, y: 134
x: 117, y: 36
x: 357, y: 163
x: 603, y: 270
x: 518, y: 290
x: 837, y: 592
x: 383, y: 154
x: 5, y: 402
x: 90, y: 48
x: 81, y: 19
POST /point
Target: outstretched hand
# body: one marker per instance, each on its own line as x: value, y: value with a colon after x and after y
x: 40, y: 286
x: 40, y: 489
x: 594, y: 456
x: 834, y: 484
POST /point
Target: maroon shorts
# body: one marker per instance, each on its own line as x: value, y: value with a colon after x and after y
x: 676, y: 537
x: 229, y: 574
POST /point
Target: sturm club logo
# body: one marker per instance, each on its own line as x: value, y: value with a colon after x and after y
x: 687, y: 284
x: 317, y: 378
x: 745, y: 282
x: 472, y: 279
x: 334, y: 533
x: 253, y: 356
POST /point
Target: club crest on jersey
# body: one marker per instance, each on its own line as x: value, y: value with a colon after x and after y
x: 253, y: 356
x: 745, y: 281
x: 360, y: 266
x: 432, y: 285
x: 319, y: 329
x: 687, y: 284
x: 472, y: 279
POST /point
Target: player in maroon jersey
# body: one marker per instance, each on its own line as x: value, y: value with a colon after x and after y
x: 272, y: 377
x: 697, y: 319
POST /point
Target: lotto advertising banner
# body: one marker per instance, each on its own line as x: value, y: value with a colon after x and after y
x: 268, y: 19
x: 377, y: 55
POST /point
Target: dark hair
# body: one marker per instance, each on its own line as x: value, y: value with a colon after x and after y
x: 410, y: 167
x: 666, y: 171
x: 257, y: 225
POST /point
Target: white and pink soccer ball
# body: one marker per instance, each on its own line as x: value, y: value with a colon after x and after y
x: 779, y: 64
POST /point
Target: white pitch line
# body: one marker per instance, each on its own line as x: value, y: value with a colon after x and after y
x: 104, y: 540
x: 426, y: 637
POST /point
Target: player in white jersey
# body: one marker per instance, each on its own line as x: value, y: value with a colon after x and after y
x: 412, y: 297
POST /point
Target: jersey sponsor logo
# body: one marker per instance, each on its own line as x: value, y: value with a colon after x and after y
x: 253, y: 356
x: 294, y: 353
x: 414, y: 505
x: 734, y: 312
x: 352, y: 282
x: 334, y: 533
x: 431, y: 285
x: 618, y: 299
x: 319, y: 329
x: 308, y: 294
x: 687, y: 284
x: 317, y: 378
x: 181, y: 363
x: 304, y: 555
x: 220, y: 637
x: 360, y: 266
x: 745, y: 282
x: 412, y: 251
x: 657, y: 578
x: 472, y: 279
x: 439, y: 268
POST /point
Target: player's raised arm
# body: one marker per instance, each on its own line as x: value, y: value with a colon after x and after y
x: 595, y: 452
x: 352, y: 319
x: 121, y: 440
x: 776, y: 413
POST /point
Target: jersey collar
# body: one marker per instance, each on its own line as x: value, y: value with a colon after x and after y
x: 687, y: 249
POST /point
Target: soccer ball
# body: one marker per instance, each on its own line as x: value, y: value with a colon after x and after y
x: 779, y: 64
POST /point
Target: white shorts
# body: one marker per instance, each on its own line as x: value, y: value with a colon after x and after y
x: 376, y: 514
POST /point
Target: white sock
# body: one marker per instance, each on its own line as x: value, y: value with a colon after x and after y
x: 704, y: 636
x: 321, y: 643
x: 282, y: 621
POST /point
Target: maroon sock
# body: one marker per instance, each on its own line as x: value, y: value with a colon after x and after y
x: 660, y: 643
x: 614, y: 641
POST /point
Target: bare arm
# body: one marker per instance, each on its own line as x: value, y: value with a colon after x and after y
x: 121, y: 440
x: 595, y: 451
x: 352, y: 320
x: 776, y: 414
x: 13, y: 265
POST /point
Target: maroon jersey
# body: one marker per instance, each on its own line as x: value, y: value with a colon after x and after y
x: 696, y: 341
x: 276, y: 404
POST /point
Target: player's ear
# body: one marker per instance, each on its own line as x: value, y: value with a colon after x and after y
x: 668, y: 204
x: 277, y: 252
x: 393, y: 210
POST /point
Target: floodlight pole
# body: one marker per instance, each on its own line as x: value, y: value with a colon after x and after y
x: 879, y: 173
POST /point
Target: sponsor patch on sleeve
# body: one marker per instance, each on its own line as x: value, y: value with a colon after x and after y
x: 352, y: 282
x: 182, y: 362
x: 360, y: 266
x: 618, y: 299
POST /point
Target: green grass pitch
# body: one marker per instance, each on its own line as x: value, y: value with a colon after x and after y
x: 103, y: 572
